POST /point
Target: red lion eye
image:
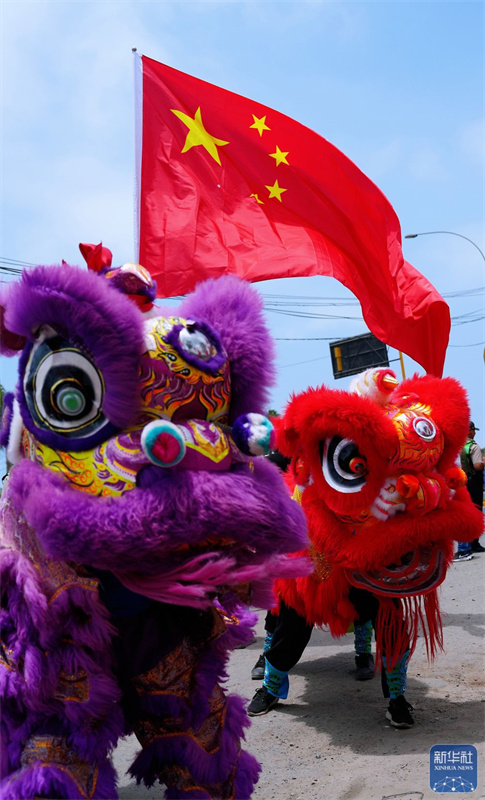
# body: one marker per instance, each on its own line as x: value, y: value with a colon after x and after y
x: 344, y: 467
x: 358, y: 466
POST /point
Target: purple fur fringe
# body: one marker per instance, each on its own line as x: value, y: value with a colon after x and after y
x: 54, y: 783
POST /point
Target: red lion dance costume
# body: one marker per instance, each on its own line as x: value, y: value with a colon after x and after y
x: 374, y: 469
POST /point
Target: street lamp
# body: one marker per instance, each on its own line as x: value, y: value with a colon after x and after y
x: 452, y: 233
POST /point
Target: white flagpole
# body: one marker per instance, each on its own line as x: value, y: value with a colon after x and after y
x: 138, y: 93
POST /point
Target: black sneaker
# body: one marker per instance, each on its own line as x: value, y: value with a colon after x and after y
x: 257, y: 672
x: 463, y: 556
x: 262, y: 702
x: 364, y: 663
x: 399, y: 712
x: 477, y: 548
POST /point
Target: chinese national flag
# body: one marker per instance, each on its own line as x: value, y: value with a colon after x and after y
x: 227, y: 185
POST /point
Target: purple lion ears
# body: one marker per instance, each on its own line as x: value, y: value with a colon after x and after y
x: 10, y: 343
x: 228, y: 305
x: 131, y: 279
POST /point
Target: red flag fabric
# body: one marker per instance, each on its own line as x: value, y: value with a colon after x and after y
x: 227, y: 185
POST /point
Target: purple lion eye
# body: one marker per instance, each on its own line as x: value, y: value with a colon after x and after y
x: 194, y: 342
x: 64, y: 390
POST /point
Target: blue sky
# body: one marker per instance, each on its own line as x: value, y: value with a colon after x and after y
x: 397, y: 86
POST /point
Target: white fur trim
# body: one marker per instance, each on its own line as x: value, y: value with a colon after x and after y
x: 13, y: 451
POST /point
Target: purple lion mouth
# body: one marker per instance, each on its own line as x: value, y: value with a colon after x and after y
x: 418, y: 572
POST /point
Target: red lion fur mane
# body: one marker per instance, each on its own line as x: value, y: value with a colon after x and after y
x: 375, y: 471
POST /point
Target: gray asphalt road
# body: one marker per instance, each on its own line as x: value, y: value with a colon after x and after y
x: 331, y: 741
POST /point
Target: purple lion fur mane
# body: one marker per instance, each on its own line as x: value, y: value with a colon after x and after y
x: 161, y: 533
x: 241, y: 506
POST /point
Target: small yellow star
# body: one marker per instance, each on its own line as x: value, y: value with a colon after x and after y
x: 275, y: 190
x: 198, y: 135
x: 260, y: 124
x: 256, y: 197
x: 279, y: 156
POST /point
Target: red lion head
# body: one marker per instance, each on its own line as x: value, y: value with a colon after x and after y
x: 374, y: 469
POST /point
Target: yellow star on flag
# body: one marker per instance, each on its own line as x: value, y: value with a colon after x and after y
x: 198, y: 135
x: 275, y: 191
x: 279, y: 156
x: 260, y: 124
x: 256, y: 197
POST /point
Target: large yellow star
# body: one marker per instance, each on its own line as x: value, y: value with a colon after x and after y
x: 260, y: 124
x: 198, y: 135
x: 275, y: 191
x: 279, y: 156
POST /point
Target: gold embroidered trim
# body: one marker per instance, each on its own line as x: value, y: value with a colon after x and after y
x: 52, y: 751
x: 323, y: 568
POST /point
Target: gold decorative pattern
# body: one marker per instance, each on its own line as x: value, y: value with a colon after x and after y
x: 412, y: 451
x: 180, y: 778
x: 7, y: 659
x: 208, y: 736
x: 73, y: 687
x: 216, y: 449
x: 173, y: 673
x: 323, y: 568
x: 53, y: 752
x: 55, y: 576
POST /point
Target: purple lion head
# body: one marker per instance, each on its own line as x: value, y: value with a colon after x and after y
x: 121, y: 422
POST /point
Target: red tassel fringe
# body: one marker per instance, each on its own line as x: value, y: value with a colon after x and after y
x: 399, y: 622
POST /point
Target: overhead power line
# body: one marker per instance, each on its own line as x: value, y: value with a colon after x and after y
x: 295, y: 305
x: 10, y: 270
x: 16, y: 261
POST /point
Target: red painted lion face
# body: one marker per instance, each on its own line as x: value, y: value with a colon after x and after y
x: 382, y: 496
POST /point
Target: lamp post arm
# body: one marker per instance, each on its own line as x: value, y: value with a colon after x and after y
x: 452, y: 233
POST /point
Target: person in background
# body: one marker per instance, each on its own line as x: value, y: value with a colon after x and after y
x: 471, y: 459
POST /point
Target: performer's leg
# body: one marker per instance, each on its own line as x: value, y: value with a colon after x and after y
x: 64, y: 753
x: 366, y: 607
x: 364, y: 660
x: 399, y: 710
x: 257, y: 672
x: 291, y: 635
x: 190, y: 730
x: 60, y: 712
x: 394, y: 678
x: 393, y: 671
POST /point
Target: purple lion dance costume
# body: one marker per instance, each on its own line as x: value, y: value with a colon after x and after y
x: 137, y: 525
